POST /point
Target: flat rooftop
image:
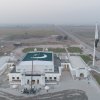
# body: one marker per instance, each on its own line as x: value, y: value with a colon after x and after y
x: 41, y: 56
x: 77, y: 62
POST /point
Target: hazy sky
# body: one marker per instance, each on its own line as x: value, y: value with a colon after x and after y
x: 49, y: 11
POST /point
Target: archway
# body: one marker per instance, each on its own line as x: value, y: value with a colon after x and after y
x: 81, y: 75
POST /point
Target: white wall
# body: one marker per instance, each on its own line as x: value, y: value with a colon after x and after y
x: 4, y: 67
x: 26, y: 78
x: 83, y: 71
x: 14, y: 75
x: 57, y: 75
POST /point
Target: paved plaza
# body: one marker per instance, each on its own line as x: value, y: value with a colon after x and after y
x: 77, y: 89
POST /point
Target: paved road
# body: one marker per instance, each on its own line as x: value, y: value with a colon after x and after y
x: 79, y: 41
x: 63, y: 95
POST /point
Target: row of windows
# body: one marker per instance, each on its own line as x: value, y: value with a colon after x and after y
x: 33, y: 81
x: 16, y: 78
x: 51, y: 78
x: 48, y: 69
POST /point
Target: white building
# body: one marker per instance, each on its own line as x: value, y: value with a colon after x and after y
x: 37, y: 68
x: 78, y: 67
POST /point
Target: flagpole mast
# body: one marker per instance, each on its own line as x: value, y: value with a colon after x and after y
x: 95, y: 44
x: 94, y: 54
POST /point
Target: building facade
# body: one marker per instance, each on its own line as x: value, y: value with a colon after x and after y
x: 36, y: 68
x: 40, y: 68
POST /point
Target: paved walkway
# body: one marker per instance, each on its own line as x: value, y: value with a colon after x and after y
x: 92, y: 90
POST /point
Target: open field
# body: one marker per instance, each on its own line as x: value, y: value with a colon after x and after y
x: 41, y: 31
x: 26, y: 33
x: 30, y: 36
x: 84, y: 33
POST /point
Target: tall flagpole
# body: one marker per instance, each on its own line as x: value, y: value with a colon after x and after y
x: 94, y: 54
x: 95, y: 44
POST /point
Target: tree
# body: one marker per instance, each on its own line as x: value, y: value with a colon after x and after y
x: 59, y: 37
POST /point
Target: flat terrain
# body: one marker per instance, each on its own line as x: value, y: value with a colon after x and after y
x: 63, y: 95
x: 84, y: 33
x: 69, y: 89
x: 30, y: 36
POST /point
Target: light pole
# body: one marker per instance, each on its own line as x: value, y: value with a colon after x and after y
x: 31, y: 74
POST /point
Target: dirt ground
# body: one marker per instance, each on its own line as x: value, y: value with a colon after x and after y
x: 85, y: 33
x: 30, y: 36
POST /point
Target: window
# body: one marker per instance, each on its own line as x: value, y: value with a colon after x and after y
x: 13, y: 78
x: 50, y: 78
x: 45, y: 78
x: 27, y: 81
x: 45, y: 69
x: 50, y: 69
x: 67, y: 65
x: 33, y: 81
x: 17, y: 78
x: 55, y: 78
x: 37, y: 81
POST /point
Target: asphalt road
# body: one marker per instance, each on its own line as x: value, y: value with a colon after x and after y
x: 79, y: 41
x: 64, y: 95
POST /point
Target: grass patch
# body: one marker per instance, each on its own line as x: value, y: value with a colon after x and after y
x: 86, y: 58
x: 58, y: 50
x: 31, y: 49
x: 97, y: 77
x: 74, y: 50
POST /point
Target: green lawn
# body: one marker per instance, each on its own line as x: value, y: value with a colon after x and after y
x: 97, y: 77
x: 74, y: 50
x: 58, y: 50
x: 86, y: 58
x: 31, y: 49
